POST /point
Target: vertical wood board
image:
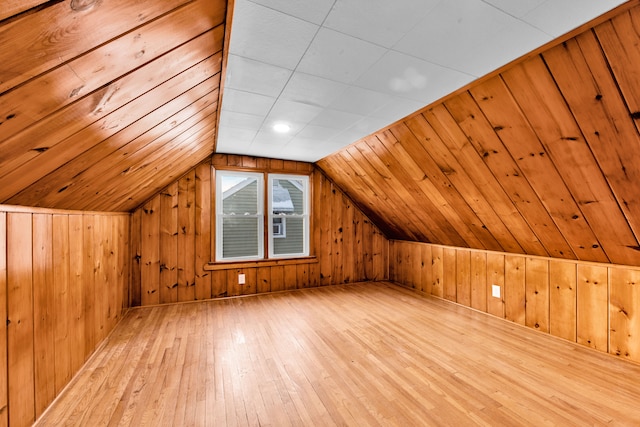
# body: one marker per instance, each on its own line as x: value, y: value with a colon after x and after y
x: 592, y: 307
x: 515, y: 289
x: 562, y: 299
x: 624, y: 312
x: 20, y: 346
x: 537, y: 294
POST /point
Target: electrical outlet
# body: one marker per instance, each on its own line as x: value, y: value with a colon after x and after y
x: 495, y: 291
x: 241, y: 279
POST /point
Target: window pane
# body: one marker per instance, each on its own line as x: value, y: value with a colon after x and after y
x: 240, y: 220
x: 240, y: 196
x: 240, y: 237
x: 289, y: 216
x: 279, y: 228
x: 293, y: 242
x: 287, y: 196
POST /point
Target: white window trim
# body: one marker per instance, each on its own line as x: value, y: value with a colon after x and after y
x: 282, y: 227
x: 219, y: 215
x: 305, y: 215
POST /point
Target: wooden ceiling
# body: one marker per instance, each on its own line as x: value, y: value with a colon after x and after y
x: 104, y: 103
x: 542, y: 158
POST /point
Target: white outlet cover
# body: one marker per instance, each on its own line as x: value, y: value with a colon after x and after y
x: 241, y: 279
x: 495, y: 291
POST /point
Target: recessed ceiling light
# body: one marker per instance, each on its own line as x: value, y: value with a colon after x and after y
x: 281, y: 127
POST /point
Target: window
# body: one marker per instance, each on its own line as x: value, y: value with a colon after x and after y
x: 279, y: 228
x: 239, y: 215
x: 288, y: 215
x: 241, y: 218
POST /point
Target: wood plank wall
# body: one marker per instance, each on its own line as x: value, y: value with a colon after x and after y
x: 593, y: 304
x: 540, y: 158
x: 171, y: 235
x: 63, y: 287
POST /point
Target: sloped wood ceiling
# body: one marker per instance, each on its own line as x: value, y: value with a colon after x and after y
x: 543, y: 158
x: 104, y: 103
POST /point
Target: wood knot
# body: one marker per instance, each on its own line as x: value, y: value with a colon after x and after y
x: 80, y: 5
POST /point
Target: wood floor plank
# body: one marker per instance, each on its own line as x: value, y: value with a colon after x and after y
x: 359, y: 354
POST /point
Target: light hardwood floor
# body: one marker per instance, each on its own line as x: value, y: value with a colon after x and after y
x: 358, y: 355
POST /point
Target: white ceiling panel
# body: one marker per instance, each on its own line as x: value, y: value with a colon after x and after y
x: 397, y: 108
x: 410, y: 77
x: 313, y: 90
x: 556, y: 17
x: 317, y: 133
x: 339, y: 57
x: 292, y: 111
x: 241, y: 137
x: 314, y: 11
x: 257, y: 77
x: 343, y: 138
x: 452, y: 29
x: 505, y: 43
x: 381, y: 22
x: 517, y: 8
x: 241, y: 120
x: 336, y: 119
x: 307, y: 149
x: 269, y: 36
x: 361, y: 101
x: 272, y: 139
x: 368, y: 125
x: 336, y: 71
x: 247, y: 102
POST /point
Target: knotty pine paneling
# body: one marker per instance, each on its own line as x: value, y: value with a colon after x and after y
x: 562, y: 299
x: 537, y: 293
x: 624, y: 312
x: 103, y: 122
x: 172, y: 239
x: 514, y: 289
x: 4, y: 392
x: 495, y: 277
x: 20, y: 340
x: 591, y: 310
x: 539, y: 158
x: 592, y: 304
x: 64, y: 278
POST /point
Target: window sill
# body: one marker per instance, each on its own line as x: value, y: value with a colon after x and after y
x: 214, y: 266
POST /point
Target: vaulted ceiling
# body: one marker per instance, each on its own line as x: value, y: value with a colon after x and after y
x: 104, y: 103
x: 335, y: 71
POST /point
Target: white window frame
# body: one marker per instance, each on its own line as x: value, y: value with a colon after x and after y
x: 220, y: 215
x: 305, y: 215
x: 282, y: 227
